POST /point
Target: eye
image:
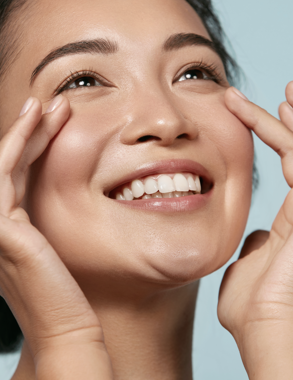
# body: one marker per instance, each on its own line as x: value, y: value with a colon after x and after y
x: 193, y: 74
x: 82, y: 79
x: 202, y: 71
x: 85, y: 81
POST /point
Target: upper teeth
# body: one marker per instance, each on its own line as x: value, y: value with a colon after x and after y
x: 160, y: 184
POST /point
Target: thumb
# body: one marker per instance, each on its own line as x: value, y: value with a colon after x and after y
x: 254, y: 241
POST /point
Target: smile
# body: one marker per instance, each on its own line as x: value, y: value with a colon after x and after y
x: 159, y: 186
x: 168, y: 186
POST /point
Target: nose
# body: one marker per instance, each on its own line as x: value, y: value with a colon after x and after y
x: 155, y: 116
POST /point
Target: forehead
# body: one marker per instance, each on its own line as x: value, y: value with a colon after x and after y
x: 56, y: 22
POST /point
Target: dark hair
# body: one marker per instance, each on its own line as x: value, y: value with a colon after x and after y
x: 10, y: 333
x: 205, y: 10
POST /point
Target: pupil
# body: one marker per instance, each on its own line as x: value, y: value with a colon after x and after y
x: 85, y: 81
x: 194, y: 74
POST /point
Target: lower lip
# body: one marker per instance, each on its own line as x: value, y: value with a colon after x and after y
x: 182, y: 204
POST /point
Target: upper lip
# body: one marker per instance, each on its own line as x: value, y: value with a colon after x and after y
x: 163, y: 167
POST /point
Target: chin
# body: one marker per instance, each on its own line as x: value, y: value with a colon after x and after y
x: 185, y: 264
x: 179, y: 263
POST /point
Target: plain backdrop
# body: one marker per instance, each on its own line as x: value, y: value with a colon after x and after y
x: 260, y: 32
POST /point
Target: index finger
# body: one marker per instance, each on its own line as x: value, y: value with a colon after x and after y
x: 269, y: 129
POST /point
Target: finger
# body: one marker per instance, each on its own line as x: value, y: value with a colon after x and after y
x: 24, y: 143
x: 14, y: 141
x: 283, y: 223
x: 289, y: 93
x: 11, y: 148
x: 253, y: 242
x: 286, y: 115
x: 285, y: 109
x: 48, y: 127
x: 269, y: 129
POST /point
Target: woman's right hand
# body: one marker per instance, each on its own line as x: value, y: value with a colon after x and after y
x: 60, y: 328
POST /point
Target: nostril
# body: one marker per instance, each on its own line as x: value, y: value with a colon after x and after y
x: 183, y: 136
x: 148, y: 138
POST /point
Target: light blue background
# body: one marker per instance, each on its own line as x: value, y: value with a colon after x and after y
x: 260, y: 32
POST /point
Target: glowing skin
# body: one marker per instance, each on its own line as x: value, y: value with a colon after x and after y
x: 99, y: 144
x: 130, y: 262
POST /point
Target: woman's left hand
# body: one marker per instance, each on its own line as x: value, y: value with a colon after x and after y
x: 256, y: 295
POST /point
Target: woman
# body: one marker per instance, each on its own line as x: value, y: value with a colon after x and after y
x: 130, y: 100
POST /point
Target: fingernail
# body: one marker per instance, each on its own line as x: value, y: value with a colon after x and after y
x: 237, y: 92
x: 27, y: 105
x: 55, y: 103
x: 289, y: 105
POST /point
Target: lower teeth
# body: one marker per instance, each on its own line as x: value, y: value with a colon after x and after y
x: 175, y: 194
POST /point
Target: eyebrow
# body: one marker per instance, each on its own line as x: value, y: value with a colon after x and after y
x: 97, y: 46
x: 181, y: 40
x: 106, y: 47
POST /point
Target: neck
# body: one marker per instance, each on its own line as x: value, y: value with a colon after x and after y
x: 147, y: 337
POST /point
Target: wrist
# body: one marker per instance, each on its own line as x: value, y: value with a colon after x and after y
x: 76, y: 362
x: 267, y: 350
x: 76, y: 355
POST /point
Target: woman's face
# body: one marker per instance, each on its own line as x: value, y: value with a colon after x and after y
x: 139, y: 116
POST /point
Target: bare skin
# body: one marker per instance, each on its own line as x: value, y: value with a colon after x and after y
x: 102, y: 290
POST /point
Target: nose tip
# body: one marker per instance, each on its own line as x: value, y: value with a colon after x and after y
x: 161, y: 122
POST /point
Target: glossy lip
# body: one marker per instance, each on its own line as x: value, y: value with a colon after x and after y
x: 182, y: 204
x: 163, y: 167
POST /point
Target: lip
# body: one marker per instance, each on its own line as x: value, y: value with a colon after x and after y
x: 173, y: 205
x: 163, y: 167
x: 187, y: 203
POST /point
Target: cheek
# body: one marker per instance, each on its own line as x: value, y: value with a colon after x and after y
x: 230, y: 147
x: 233, y: 140
x: 218, y: 128
x: 74, y: 155
x: 235, y: 145
x: 61, y: 179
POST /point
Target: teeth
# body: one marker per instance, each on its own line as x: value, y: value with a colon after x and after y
x: 180, y: 182
x: 157, y: 195
x: 137, y: 188
x: 166, y: 184
x: 167, y: 195
x: 197, y: 185
x: 150, y: 186
x: 162, y: 187
x: 127, y: 193
x: 191, y: 183
x: 147, y: 196
x: 120, y: 197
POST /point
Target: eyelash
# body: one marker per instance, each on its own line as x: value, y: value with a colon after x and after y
x: 210, y: 71
x: 77, y: 75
